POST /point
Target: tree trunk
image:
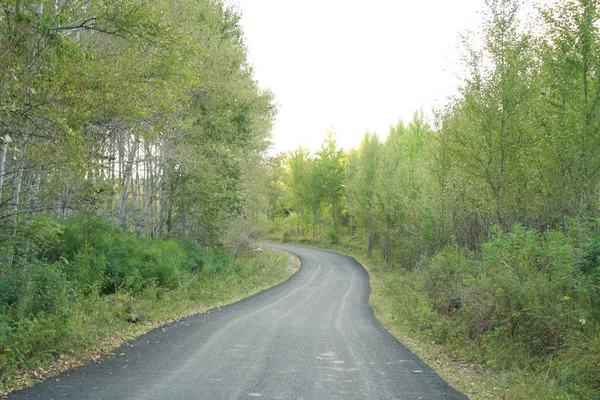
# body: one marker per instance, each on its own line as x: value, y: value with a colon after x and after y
x: 147, y: 222
x: 18, y: 183
x: 121, y: 179
x: 33, y: 195
x: 186, y: 227
x: 386, y: 249
x: 126, y: 175
x: 6, y: 140
x: 314, y: 233
x: 15, y: 199
x: 297, y: 216
x: 370, y: 241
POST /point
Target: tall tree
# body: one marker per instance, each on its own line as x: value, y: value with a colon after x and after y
x: 362, y: 188
x: 330, y: 160
x: 298, y: 181
x: 488, y: 130
x: 144, y: 112
x: 570, y: 116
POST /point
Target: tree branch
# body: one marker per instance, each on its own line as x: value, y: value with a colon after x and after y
x: 85, y: 25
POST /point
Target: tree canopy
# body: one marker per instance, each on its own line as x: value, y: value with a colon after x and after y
x: 142, y: 112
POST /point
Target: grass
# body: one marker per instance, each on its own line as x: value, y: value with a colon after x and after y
x: 103, y: 322
x: 480, y: 368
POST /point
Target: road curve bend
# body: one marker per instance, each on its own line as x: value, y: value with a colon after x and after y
x: 312, y: 337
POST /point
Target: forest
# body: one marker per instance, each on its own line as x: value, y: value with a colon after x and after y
x: 135, y: 174
x: 130, y: 135
x: 486, y: 220
x: 140, y: 112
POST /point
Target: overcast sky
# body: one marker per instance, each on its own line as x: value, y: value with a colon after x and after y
x: 353, y: 65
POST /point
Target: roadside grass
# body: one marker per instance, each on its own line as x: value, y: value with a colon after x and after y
x: 472, y: 379
x: 63, y: 325
x: 491, y: 364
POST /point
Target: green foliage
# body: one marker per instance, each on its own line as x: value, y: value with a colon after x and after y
x: 120, y: 121
x: 487, y: 221
x: 333, y: 236
x: 330, y: 162
x: 590, y: 261
x: 87, y: 280
x: 523, y: 304
x: 100, y: 255
x: 108, y: 107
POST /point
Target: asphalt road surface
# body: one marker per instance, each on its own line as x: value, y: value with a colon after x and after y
x: 313, y: 337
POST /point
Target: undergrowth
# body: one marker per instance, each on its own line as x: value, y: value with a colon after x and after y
x: 527, y: 307
x: 71, y: 291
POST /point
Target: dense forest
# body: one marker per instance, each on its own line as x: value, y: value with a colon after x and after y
x: 487, y: 219
x: 133, y: 154
x: 142, y: 112
x: 130, y: 134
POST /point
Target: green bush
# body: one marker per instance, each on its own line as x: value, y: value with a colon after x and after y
x: 98, y: 253
x: 65, y: 287
x: 332, y: 236
x: 30, y: 287
x: 193, y: 256
x: 36, y: 304
x: 588, y: 284
x: 528, y: 300
x: 87, y: 270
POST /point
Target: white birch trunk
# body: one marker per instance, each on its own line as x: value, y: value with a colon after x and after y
x: 33, y: 194
x: 18, y: 183
x: 5, y: 142
x: 148, y: 211
x: 126, y: 176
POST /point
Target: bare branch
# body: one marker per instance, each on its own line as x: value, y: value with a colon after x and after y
x: 85, y: 25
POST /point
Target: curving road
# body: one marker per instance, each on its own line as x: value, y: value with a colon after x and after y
x: 312, y: 337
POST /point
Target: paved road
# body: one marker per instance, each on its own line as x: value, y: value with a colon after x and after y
x: 313, y: 337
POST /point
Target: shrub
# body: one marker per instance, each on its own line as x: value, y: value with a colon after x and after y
x: 87, y: 270
x: 70, y: 285
x: 332, y: 236
x: 588, y: 284
x: 529, y: 300
x: 36, y: 303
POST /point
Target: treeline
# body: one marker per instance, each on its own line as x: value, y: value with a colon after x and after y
x: 131, y: 133
x: 489, y: 219
x: 519, y: 143
x: 143, y: 112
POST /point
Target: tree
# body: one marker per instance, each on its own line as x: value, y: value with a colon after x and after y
x: 401, y: 210
x: 330, y: 164
x: 570, y: 113
x: 138, y: 111
x: 361, y: 187
x: 298, y: 180
x: 488, y: 130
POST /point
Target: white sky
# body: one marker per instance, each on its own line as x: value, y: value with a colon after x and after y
x: 353, y: 65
